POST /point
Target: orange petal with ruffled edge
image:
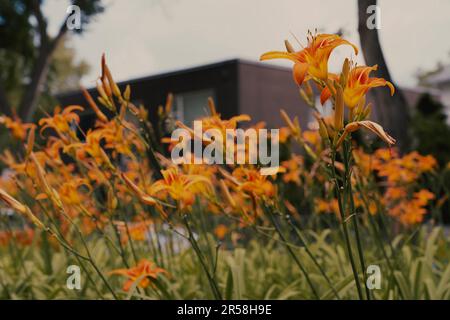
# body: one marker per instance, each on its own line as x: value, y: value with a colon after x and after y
x: 299, y: 72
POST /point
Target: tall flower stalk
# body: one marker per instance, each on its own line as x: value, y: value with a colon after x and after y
x: 346, y: 91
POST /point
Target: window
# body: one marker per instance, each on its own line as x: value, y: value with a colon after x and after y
x: 189, y: 106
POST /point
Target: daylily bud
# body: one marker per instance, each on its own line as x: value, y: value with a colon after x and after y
x: 296, y: 130
x: 127, y: 93
x: 102, y: 92
x: 106, y: 103
x: 323, y: 131
x: 289, y: 47
x: 103, y: 63
x: 38, y: 223
x: 123, y: 111
x: 41, y: 175
x: 30, y: 141
x: 106, y: 89
x: 212, y: 106
x: 344, y: 74
x: 305, y: 97
x: 169, y: 103
x: 360, y: 105
x: 20, y: 208
x: 139, y: 193
x: 308, y: 89
x: 12, y: 203
x: 339, y: 108
x: 93, y: 105
x: 112, y: 84
x: 51, y: 193
x: 112, y: 199
x: 297, y: 125
x: 366, y: 112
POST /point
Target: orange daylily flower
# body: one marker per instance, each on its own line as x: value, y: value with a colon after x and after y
x: 285, y: 134
x: 423, y: 196
x: 402, y: 170
x: 221, y: 231
x: 312, y: 60
x: 146, y: 272
x: 138, y: 231
x: 293, y: 169
x: 117, y: 138
x: 17, y: 127
x: 53, y: 148
x: 92, y: 147
x: 181, y: 187
x: 251, y: 181
x: 70, y: 193
x: 61, y: 120
x: 412, y: 211
x: 395, y: 193
x: 327, y: 206
x: 23, y: 237
x: 357, y: 85
x: 214, y: 122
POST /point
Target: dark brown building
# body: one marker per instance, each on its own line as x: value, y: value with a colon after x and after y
x: 238, y: 87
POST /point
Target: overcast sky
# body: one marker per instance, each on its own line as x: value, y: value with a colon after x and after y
x: 143, y: 37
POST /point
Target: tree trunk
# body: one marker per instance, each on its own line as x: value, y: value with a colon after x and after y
x: 5, y: 108
x: 391, y: 112
x: 29, y: 101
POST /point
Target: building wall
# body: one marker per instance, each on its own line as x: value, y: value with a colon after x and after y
x: 152, y: 91
x: 264, y: 90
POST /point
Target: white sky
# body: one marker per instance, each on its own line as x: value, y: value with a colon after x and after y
x: 144, y: 37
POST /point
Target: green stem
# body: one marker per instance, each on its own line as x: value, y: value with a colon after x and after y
x: 344, y: 225
x: 291, y: 252
x: 212, y: 282
x: 378, y: 237
x: 305, y: 245
x: 347, y: 164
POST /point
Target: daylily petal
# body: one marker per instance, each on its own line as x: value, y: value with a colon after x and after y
x: 278, y: 55
x: 299, y: 72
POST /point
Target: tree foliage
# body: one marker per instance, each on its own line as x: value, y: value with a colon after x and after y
x: 27, y: 50
x: 431, y: 130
